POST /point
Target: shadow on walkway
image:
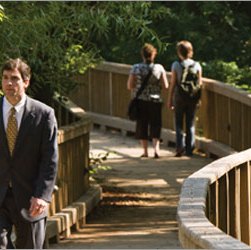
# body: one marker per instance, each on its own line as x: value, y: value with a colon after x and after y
x: 140, y: 197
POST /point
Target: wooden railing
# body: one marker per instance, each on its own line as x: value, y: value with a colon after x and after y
x: 224, y: 115
x: 215, y: 207
x: 73, y: 197
x: 215, y: 201
x: 73, y: 143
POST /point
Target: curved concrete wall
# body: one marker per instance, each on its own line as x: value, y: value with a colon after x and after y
x: 195, y: 230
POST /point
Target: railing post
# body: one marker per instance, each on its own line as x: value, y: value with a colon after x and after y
x: 110, y: 94
x: 222, y: 203
x: 217, y: 203
x: 245, y: 202
x: 90, y: 89
x: 213, y: 203
x: 232, y: 212
x: 237, y: 204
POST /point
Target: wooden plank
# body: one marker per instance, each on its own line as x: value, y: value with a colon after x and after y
x: 208, y: 203
x: 213, y: 204
x: 237, y: 204
x: 120, y: 95
x: 232, y: 211
x: 209, y: 115
x: 223, y: 204
x: 246, y: 129
x: 245, y: 203
x: 217, y: 212
x: 227, y: 204
x: 201, y: 115
x: 80, y: 94
x: 236, y: 125
x: 222, y: 119
x: 100, y: 92
x: 167, y: 114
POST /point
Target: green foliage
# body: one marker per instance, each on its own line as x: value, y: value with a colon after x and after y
x: 76, y: 55
x: 59, y: 39
x: 219, y: 31
x: 130, y: 25
x: 245, y: 79
x: 48, y: 36
x: 229, y: 73
x: 96, y: 162
x: 2, y: 15
x: 223, y: 71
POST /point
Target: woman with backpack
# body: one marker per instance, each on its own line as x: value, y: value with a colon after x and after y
x: 183, y: 96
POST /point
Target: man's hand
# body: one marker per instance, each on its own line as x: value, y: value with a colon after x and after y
x: 37, y: 206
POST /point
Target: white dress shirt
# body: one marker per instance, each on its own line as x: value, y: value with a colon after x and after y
x: 19, y: 107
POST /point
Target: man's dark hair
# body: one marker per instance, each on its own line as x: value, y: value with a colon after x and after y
x: 20, y: 65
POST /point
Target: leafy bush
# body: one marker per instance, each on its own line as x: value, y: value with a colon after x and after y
x: 228, y: 72
x: 245, y: 79
x: 47, y: 37
x: 2, y: 15
x: 60, y: 39
x: 222, y: 71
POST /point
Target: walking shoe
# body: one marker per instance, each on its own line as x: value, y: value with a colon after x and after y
x: 156, y: 156
x: 144, y: 156
x: 179, y: 152
x: 189, y: 154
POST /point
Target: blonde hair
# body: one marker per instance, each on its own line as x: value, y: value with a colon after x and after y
x: 147, y: 52
x: 185, y: 49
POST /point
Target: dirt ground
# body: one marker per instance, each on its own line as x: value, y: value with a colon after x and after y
x: 140, y: 196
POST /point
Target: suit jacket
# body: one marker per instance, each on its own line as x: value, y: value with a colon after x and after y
x: 32, y: 168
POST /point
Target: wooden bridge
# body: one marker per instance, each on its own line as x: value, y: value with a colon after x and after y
x: 139, y: 196
x: 223, y: 128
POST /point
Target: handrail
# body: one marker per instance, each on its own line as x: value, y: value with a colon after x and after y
x: 73, y: 176
x: 195, y: 229
x: 224, y: 111
x: 210, y: 84
x: 227, y: 90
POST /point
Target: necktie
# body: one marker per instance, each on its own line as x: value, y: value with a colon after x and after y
x: 12, y: 130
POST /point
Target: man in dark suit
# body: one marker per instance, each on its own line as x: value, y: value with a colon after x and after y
x: 28, y: 160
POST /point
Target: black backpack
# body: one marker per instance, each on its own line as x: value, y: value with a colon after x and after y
x: 189, y: 87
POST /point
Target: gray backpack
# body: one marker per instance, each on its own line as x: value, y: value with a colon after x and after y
x: 189, y: 87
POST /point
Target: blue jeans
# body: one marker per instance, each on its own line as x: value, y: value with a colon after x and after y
x: 185, y: 110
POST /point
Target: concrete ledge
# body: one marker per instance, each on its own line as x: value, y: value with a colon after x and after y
x: 211, y: 147
x: 195, y: 230
x: 73, y: 215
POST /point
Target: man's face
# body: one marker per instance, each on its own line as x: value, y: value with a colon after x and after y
x: 13, y: 85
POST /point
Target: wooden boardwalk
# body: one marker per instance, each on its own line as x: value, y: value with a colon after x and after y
x: 140, y: 196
